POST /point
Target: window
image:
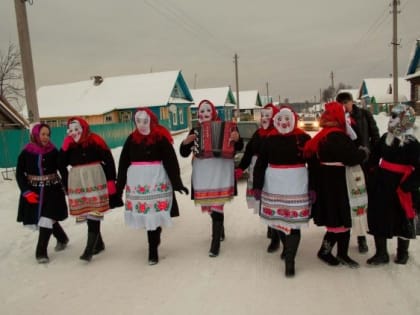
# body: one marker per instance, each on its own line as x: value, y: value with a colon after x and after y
x: 108, y: 118
x: 174, y: 118
x: 181, y: 116
x: 125, y: 116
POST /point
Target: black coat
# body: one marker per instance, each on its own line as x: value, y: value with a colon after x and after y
x: 332, y: 207
x: 185, y: 151
x: 51, y: 196
x: 386, y: 217
x: 281, y: 150
x: 161, y: 150
x: 252, y: 148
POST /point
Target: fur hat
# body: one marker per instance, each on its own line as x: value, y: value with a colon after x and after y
x: 402, y: 119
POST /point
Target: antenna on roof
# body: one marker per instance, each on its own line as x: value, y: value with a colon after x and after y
x: 97, y: 79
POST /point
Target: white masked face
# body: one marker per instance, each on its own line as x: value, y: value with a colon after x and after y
x: 284, y: 121
x: 142, y: 120
x: 266, y: 115
x: 205, y: 113
x: 75, y: 130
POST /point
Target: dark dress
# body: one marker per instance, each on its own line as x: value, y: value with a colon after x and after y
x: 161, y: 150
x: 386, y: 218
x: 252, y: 148
x: 52, y: 201
x: 332, y: 208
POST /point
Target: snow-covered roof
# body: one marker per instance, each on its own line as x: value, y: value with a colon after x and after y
x: 85, y: 98
x: 14, y: 118
x: 249, y: 99
x: 218, y: 96
x: 380, y: 89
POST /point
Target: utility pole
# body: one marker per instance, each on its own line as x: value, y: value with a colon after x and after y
x: 26, y: 56
x: 237, y: 116
x: 268, y: 98
x: 395, y: 44
x: 332, y: 82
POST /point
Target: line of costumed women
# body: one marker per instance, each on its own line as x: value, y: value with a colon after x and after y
x: 149, y: 172
x: 42, y: 202
x: 90, y: 182
x: 213, y: 181
x: 281, y: 182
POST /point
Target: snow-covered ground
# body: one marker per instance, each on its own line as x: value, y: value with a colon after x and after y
x: 244, y: 279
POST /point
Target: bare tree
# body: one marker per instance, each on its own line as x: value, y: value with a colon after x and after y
x: 11, y: 77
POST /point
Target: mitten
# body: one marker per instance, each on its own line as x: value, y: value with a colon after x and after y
x: 31, y: 197
x: 257, y: 194
x: 238, y: 173
x: 67, y: 142
x: 111, y: 187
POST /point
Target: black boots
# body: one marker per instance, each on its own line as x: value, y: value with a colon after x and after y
x: 100, y: 245
x: 343, y: 240
x: 402, y: 251
x: 153, y: 238
x: 42, y: 246
x: 381, y: 256
x: 324, y: 252
x: 93, y: 235
x: 61, y: 236
x: 217, y: 228
x: 362, y: 244
x: 291, y: 245
x: 275, y: 241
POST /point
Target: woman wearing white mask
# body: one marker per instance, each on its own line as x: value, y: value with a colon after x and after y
x: 149, y: 172
x: 90, y: 183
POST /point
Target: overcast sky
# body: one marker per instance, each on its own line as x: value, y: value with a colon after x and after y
x: 293, y: 45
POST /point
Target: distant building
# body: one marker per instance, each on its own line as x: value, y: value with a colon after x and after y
x: 103, y: 100
x: 413, y: 77
x: 222, y: 98
x: 250, y: 105
x: 377, y: 95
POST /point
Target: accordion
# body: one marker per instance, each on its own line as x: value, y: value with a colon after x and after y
x: 213, y: 139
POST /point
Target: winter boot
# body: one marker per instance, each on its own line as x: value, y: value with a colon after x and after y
x: 61, y: 236
x: 222, y: 234
x: 100, y: 245
x: 362, y: 244
x: 153, y: 238
x: 92, y: 239
x: 41, y: 254
x: 290, y: 249
x: 324, y: 252
x: 268, y: 232
x: 343, y: 242
x: 282, y: 237
x: 402, y: 251
x: 275, y: 241
x: 381, y: 256
x: 217, y: 226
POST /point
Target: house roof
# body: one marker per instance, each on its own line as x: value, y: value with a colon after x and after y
x: 380, y: 89
x: 86, y: 98
x: 14, y: 118
x: 413, y: 70
x: 249, y: 99
x: 220, y: 96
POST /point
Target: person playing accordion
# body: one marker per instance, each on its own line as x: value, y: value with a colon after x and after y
x: 213, y: 144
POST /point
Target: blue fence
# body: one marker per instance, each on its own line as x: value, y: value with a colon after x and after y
x: 13, y: 141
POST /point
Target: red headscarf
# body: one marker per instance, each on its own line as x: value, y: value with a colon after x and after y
x: 214, y: 116
x: 87, y: 138
x: 332, y: 120
x: 264, y: 132
x: 296, y: 130
x: 157, y: 131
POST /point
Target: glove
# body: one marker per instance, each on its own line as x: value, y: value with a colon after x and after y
x: 312, y: 196
x: 67, y: 142
x: 257, y: 194
x: 31, y: 197
x: 238, y: 173
x: 111, y: 187
x: 115, y: 201
x: 182, y: 190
